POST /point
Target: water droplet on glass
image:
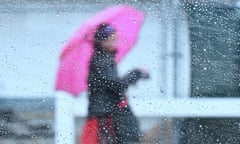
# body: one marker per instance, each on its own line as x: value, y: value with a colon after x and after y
x: 162, y: 92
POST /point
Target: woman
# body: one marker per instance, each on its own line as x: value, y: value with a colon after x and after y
x: 109, y: 114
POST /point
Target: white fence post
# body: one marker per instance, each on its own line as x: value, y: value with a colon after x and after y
x: 64, y: 119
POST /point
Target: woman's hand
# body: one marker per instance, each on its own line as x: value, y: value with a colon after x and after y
x: 143, y: 73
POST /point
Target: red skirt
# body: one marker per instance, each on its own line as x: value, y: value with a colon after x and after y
x: 90, y: 132
x: 94, y: 131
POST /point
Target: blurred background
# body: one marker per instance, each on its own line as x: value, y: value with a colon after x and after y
x: 190, y: 47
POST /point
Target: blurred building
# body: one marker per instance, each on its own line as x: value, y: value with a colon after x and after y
x: 215, y: 59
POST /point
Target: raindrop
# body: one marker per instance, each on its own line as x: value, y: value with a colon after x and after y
x: 162, y: 93
x: 43, y: 100
x: 205, y: 68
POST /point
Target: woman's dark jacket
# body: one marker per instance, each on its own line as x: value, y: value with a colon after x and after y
x: 105, y: 88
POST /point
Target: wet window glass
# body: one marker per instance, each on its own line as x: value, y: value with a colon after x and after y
x: 116, y: 71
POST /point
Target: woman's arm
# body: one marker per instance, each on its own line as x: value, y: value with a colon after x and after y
x: 111, y: 82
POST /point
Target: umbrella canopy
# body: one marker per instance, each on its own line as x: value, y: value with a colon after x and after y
x: 75, y: 58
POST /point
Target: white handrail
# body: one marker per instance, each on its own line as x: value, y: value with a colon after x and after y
x: 68, y: 107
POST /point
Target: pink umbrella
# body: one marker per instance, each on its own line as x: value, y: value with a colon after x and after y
x: 73, y: 70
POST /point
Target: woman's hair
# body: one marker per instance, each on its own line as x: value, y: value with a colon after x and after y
x: 103, y: 31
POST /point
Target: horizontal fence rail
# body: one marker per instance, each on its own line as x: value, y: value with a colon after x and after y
x: 69, y: 107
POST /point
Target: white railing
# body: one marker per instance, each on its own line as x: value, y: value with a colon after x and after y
x: 68, y: 107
